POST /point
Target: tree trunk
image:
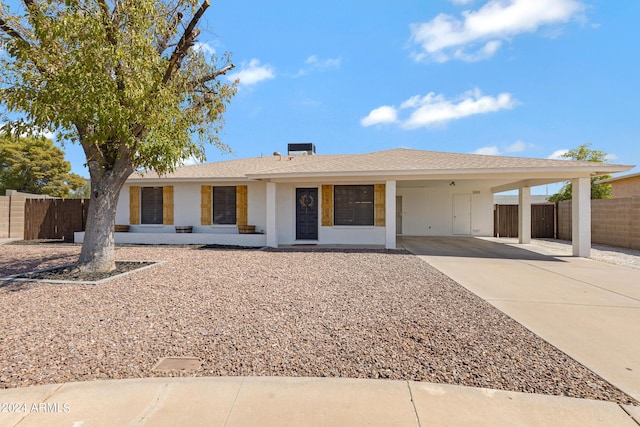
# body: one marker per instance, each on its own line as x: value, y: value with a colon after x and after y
x: 98, y: 252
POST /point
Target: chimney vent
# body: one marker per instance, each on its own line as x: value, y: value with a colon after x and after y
x: 302, y: 148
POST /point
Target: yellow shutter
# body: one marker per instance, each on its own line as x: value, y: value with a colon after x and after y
x: 242, y: 210
x: 379, y: 204
x: 134, y: 205
x: 327, y: 205
x: 206, y: 204
x: 167, y: 205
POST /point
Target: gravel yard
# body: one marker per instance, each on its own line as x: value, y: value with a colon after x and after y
x: 608, y: 254
x: 358, y: 314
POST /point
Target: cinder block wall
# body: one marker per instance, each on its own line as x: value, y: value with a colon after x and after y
x: 635, y: 222
x: 564, y: 220
x: 610, y: 222
x: 12, y: 214
x: 4, y: 217
x: 16, y: 229
x: 614, y: 222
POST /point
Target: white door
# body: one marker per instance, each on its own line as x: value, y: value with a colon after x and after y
x: 461, y: 214
x: 398, y: 215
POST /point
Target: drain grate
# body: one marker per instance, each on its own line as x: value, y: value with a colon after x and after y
x: 178, y: 364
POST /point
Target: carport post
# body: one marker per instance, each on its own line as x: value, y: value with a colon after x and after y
x: 524, y: 215
x: 390, y: 214
x: 581, y: 217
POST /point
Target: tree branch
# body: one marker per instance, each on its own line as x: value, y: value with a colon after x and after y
x: 164, y: 41
x: 106, y: 22
x: 11, y: 32
x: 212, y: 76
x: 186, y: 41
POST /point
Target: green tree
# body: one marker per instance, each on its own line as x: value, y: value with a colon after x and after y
x: 122, y: 79
x: 35, y: 165
x: 83, y: 192
x: 584, y: 153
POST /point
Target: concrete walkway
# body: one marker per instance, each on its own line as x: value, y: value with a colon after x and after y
x: 268, y: 401
x: 586, y: 308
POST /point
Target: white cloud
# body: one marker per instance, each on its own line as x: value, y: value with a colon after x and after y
x: 252, y: 73
x: 517, y: 147
x: 488, y: 151
x: 557, y: 155
x: 324, y: 64
x: 461, y: 2
x: 380, y: 115
x: 190, y: 161
x: 205, y: 47
x: 478, y: 34
x: 433, y: 109
x: 315, y: 63
x: 493, y: 150
x: 609, y: 158
x: 486, y: 52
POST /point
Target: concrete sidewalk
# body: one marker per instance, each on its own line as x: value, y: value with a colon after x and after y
x: 586, y: 308
x: 269, y: 401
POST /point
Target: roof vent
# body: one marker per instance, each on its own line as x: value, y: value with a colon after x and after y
x: 302, y: 149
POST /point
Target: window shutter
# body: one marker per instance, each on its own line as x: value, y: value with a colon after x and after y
x: 206, y: 204
x: 167, y: 205
x: 242, y: 210
x: 327, y: 205
x: 379, y: 203
x: 134, y: 205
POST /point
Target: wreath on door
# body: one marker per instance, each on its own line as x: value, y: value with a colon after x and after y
x: 307, y: 201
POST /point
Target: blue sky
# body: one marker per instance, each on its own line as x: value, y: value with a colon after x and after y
x: 511, y: 77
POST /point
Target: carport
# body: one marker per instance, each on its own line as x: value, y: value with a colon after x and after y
x: 588, y: 309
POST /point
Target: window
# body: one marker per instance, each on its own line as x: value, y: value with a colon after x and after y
x: 353, y: 205
x: 151, y: 205
x: 224, y: 205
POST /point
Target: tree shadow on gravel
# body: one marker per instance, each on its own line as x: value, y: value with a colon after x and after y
x: 26, y: 266
x: 15, y: 286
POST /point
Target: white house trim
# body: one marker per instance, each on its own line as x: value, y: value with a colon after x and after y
x: 272, y: 216
x: 390, y: 214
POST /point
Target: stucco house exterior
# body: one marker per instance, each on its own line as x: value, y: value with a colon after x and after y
x: 624, y: 186
x: 356, y: 199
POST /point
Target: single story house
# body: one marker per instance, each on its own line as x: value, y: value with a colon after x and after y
x: 356, y: 199
x: 623, y: 186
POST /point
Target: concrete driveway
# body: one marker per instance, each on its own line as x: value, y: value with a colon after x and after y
x: 586, y: 308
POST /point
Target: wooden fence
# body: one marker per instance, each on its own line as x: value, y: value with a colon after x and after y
x: 54, y: 218
x: 543, y: 221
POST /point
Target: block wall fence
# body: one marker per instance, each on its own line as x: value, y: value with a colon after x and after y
x: 614, y: 222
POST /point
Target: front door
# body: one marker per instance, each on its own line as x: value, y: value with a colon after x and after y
x: 306, y: 214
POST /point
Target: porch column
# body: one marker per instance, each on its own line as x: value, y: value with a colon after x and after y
x: 524, y: 215
x: 271, y: 229
x: 390, y: 214
x: 581, y: 217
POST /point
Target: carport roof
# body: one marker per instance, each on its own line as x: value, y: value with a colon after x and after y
x: 395, y: 162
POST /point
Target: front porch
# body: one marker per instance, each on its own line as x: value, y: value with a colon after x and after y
x: 142, y: 238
